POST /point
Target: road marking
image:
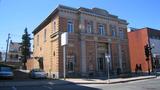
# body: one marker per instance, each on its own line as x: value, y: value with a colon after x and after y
x: 50, y: 88
x: 14, y: 88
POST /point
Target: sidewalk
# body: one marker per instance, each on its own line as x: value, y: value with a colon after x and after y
x: 111, y: 81
x: 71, y: 81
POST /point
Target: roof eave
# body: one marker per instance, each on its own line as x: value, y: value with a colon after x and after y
x: 46, y: 21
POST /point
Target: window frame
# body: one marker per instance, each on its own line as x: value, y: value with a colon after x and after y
x: 45, y: 35
x: 121, y: 34
x: 113, y: 30
x: 101, y: 29
x: 89, y: 27
x: 70, y: 26
x: 54, y: 26
x: 37, y: 40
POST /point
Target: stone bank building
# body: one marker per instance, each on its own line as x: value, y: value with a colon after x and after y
x: 91, y: 33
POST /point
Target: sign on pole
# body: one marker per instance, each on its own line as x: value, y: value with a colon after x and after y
x: 64, y: 38
x: 107, y: 57
x: 64, y: 42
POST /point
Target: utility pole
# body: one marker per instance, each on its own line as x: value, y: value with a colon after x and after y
x: 7, y: 47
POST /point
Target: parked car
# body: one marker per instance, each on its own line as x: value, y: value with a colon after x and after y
x: 37, y: 73
x: 6, y: 72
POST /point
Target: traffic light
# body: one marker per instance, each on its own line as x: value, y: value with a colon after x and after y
x: 146, y: 51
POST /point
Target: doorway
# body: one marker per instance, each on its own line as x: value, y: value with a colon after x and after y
x: 101, y: 64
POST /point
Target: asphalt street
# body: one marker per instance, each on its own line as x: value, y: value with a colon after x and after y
x: 150, y: 84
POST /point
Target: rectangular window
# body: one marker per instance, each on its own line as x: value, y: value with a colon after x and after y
x: 70, y: 27
x: 89, y: 27
x: 113, y: 30
x: 45, y: 32
x: 101, y: 29
x: 37, y: 40
x: 121, y: 34
x: 54, y: 26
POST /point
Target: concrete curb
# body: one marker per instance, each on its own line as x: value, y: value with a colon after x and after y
x: 58, y: 82
x: 134, y: 80
x: 114, y: 82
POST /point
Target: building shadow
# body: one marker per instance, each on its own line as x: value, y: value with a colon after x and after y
x: 66, y: 85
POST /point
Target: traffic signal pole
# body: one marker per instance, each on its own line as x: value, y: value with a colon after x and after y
x: 147, y: 59
x: 150, y: 51
x: 147, y: 53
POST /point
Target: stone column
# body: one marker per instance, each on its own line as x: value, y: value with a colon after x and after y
x: 96, y: 61
x: 120, y: 56
x: 83, y: 56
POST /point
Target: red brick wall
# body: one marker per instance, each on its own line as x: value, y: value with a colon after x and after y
x: 32, y: 64
x: 137, y: 40
x: 73, y: 39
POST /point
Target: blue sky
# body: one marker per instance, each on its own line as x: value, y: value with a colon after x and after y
x: 15, y: 15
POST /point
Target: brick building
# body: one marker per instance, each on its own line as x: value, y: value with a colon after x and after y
x: 138, y: 38
x: 92, y: 33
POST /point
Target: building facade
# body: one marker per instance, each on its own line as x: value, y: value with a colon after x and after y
x: 138, y: 38
x: 92, y: 33
x: 14, y: 52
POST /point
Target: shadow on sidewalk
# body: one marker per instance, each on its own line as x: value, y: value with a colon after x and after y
x: 67, y: 85
x: 46, y: 85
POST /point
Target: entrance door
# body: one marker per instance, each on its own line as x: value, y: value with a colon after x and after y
x: 41, y: 66
x: 71, y: 62
x: 100, y: 64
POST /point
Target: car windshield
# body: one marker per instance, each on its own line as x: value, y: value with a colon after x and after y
x: 5, y: 69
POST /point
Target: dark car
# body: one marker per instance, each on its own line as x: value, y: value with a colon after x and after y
x: 6, y: 72
x: 37, y: 73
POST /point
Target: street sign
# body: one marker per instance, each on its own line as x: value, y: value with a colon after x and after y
x: 64, y: 38
x: 107, y: 57
x: 64, y: 42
